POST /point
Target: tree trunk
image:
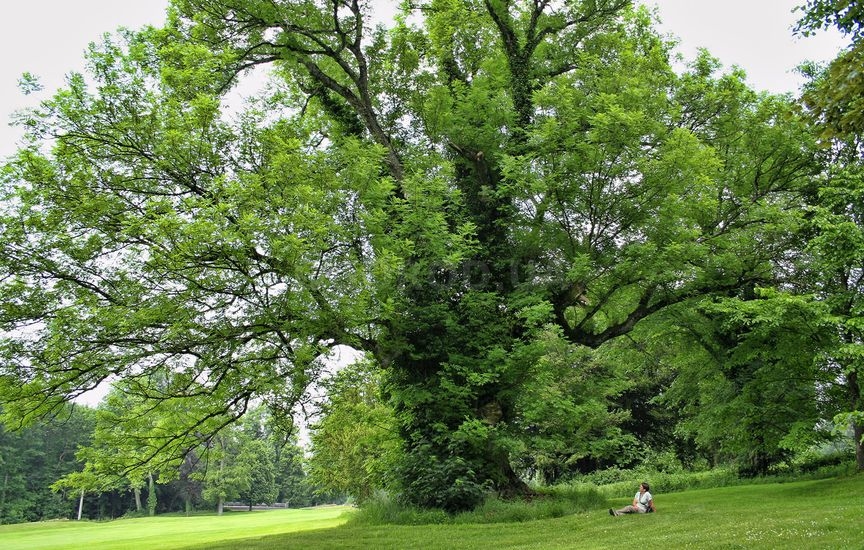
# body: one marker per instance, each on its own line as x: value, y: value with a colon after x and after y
x: 220, y: 505
x: 3, y: 493
x: 514, y: 486
x: 858, y: 433
x: 151, y: 495
x: 856, y: 405
x: 137, y: 492
x: 80, y: 504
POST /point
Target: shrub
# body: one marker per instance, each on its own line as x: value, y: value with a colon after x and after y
x: 815, y: 459
x: 447, y: 483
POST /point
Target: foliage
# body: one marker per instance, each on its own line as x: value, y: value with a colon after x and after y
x: 845, y: 15
x: 354, y: 442
x: 834, y: 93
x: 834, y: 270
x: 834, y: 100
x: 171, y: 260
x: 33, y: 458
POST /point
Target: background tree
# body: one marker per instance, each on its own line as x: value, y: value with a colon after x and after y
x: 835, y: 272
x: 354, y: 443
x: 79, y: 483
x: 128, y: 447
x: 216, y: 474
x: 254, y: 472
x: 292, y: 479
x: 750, y: 395
x: 567, y: 410
x: 33, y: 458
x: 240, y: 463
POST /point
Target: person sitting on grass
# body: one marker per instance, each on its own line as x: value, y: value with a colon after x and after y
x: 643, y: 502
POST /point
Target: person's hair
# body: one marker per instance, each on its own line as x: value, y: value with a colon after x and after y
x: 646, y: 486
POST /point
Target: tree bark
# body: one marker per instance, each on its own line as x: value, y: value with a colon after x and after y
x: 151, y: 495
x: 857, y: 427
x: 858, y: 434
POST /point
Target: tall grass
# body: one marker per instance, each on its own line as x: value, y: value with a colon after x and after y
x: 552, y: 502
x: 614, y: 483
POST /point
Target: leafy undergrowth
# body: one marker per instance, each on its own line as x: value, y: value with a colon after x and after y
x: 802, y: 514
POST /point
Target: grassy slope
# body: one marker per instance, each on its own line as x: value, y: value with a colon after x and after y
x: 801, y: 515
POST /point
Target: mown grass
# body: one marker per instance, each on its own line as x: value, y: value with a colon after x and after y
x: 166, y: 531
x: 815, y: 514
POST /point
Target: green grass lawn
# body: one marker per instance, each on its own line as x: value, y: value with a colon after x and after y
x: 801, y: 515
x: 165, y: 532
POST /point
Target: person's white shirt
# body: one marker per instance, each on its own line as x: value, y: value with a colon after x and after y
x: 643, y: 500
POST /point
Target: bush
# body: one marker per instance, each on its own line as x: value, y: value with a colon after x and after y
x: 447, y: 483
x: 817, y: 459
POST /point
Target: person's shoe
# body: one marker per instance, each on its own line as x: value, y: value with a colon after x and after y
x: 611, y: 512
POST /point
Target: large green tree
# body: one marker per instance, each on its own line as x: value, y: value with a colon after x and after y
x: 468, y: 196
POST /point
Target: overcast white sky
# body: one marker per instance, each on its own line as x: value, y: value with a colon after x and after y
x: 48, y: 38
